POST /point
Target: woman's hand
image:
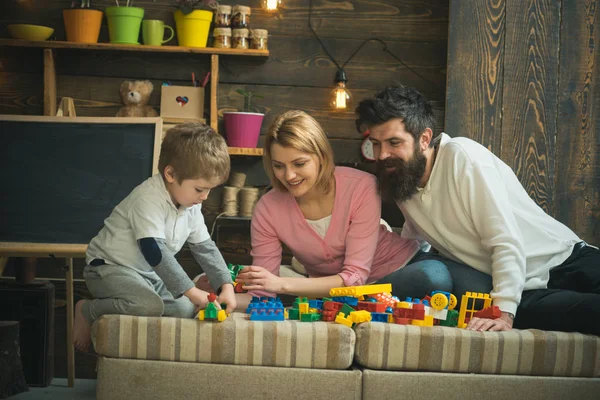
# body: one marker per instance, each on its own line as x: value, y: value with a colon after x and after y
x: 258, y: 278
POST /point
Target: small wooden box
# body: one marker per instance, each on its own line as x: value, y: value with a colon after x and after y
x: 182, y: 102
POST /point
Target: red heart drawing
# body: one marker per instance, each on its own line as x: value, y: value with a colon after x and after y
x: 182, y: 100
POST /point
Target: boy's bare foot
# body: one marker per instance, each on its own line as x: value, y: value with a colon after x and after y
x: 82, y: 335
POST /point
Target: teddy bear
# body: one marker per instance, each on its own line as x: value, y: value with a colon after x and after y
x: 135, y: 95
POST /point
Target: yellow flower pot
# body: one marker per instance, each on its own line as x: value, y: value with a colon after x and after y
x: 192, y: 29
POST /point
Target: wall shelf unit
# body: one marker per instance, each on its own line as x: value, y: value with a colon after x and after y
x: 49, y: 47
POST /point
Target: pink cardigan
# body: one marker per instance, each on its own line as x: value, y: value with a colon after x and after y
x: 356, y: 246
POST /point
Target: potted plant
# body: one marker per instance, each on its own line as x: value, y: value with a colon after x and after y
x: 124, y: 22
x: 242, y: 129
x: 192, y: 20
x: 82, y: 23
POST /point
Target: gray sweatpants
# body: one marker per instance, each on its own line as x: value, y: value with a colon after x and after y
x: 121, y: 290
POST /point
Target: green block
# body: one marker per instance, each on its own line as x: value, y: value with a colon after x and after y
x: 346, y: 309
x: 293, y: 313
x: 451, y: 319
x: 310, y: 317
x: 210, y: 312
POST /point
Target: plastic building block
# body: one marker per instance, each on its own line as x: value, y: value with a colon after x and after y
x: 469, y: 304
x: 332, y: 305
x: 442, y: 300
x: 294, y: 314
x: 328, y: 315
x: 371, y: 306
x: 360, y: 316
x: 318, y: 304
x: 310, y: 317
x: 353, y: 301
x: 379, y: 317
x: 263, y: 314
x: 451, y: 319
x: 357, y: 291
x: 342, y: 319
x: 437, y: 314
x: 346, y: 309
x: 490, y: 312
x: 386, y: 298
x: 234, y: 270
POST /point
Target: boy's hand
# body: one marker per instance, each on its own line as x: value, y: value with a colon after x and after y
x: 199, y: 298
x: 227, y: 296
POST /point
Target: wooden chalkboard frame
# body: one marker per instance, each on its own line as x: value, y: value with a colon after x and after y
x: 24, y: 249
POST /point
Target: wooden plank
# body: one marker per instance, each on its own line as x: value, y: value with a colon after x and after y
x: 415, y: 20
x: 70, y: 303
x: 530, y: 95
x: 214, y: 90
x: 578, y: 138
x: 13, y: 249
x: 475, y: 69
x: 49, y: 83
x: 131, y: 48
x: 245, y: 151
x: 277, y: 99
x: 293, y: 62
x: 21, y: 93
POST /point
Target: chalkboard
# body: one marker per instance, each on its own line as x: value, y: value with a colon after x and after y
x: 61, y: 177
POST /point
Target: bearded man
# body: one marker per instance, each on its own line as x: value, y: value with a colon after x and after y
x: 470, y: 206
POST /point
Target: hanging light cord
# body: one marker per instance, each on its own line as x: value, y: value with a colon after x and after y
x: 385, y: 48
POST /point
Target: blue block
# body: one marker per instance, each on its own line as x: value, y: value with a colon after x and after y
x: 379, y: 317
x: 318, y: 304
x: 351, y: 301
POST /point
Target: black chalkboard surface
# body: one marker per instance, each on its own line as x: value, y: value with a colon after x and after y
x: 61, y: 177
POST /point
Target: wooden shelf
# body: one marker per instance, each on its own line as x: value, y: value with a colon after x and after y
x: 49, y: 47
x: 52, y: 44
x: 245, y: 151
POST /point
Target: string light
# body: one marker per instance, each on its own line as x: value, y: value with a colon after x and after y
x: 270, y: 5
x: 340, y: 98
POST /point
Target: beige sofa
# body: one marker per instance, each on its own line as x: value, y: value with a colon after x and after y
x: 172, y: 358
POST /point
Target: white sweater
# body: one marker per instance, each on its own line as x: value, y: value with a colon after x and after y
x: 473, y: 209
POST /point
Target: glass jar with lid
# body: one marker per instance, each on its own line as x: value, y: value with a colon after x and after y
x: 222, y: 38
x: 240, y: 17
x: 259, y: 39
x: 223, y: 17
x: 240, y: 39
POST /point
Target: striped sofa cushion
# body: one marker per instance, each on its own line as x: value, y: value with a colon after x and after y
x: 234, y: 341
x: 444, y: 349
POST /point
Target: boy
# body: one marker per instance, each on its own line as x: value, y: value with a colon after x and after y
x: 131, y: 267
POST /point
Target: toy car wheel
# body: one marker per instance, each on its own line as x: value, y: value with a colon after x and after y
x: 453, y: 302
x: 438, y: 301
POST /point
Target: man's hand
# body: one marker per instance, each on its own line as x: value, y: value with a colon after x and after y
x: 258, y: 278
x: 503, y: 323
x: 227, y: 296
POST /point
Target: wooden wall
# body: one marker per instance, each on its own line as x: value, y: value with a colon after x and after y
x: 297, y: 75
x: 524, y: 80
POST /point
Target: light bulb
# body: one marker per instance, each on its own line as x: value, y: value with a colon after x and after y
x: 340, y: 98
x: 270, y: 5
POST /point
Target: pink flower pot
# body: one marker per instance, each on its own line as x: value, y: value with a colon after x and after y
x: 242, y: 129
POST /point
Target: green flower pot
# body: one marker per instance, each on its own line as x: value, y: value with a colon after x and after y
x: 124, y: 24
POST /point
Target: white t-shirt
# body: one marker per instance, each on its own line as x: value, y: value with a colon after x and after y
x: 473, y: 209
x: 147, y: 212
x: 321, y: 225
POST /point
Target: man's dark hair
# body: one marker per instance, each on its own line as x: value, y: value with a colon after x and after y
x: 396, y: 101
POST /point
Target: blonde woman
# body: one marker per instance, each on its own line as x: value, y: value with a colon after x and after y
x: 329, y: 217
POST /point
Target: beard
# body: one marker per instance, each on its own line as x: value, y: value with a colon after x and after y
x: 401, y: 183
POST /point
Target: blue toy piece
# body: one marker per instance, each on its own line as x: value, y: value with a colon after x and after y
x: 352, y: 301
x: 318, y: 304
x: 379, y: 317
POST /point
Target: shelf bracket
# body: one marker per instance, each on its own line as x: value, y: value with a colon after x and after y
x: 214, y: 88
x: 49, y: 83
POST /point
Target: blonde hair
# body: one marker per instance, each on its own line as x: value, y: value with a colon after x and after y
x: 194, y: 151
x: 300, y: 131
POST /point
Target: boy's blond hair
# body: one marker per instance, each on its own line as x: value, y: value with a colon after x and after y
x: 300, y: 131
x: 194, y: 151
